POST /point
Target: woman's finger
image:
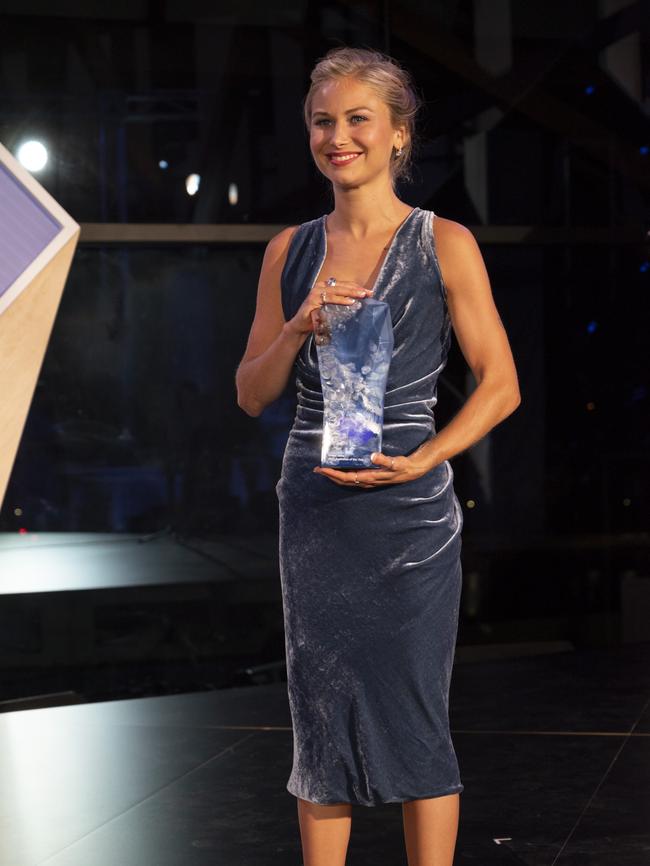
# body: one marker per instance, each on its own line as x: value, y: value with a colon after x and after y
x: 382, y: 461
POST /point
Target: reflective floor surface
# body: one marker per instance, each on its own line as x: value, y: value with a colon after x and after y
x: 554, y: 754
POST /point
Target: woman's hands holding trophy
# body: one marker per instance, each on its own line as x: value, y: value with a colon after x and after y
x: 308, y: 319
x: 330, y: 291
x: 390, y: 470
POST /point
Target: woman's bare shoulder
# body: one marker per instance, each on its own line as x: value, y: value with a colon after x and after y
x: 451, y: 232
x: 280, y: 242
x: 456, y: 249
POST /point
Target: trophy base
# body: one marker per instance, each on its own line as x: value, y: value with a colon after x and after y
x: 349, y: 463
x: 347, y: 455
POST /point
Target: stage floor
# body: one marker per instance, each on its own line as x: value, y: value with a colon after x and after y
x: 554, y: 753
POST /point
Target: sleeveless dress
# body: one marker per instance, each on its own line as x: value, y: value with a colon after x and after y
x: 371, y: 577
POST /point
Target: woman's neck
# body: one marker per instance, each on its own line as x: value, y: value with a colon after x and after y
x: 370, y: 219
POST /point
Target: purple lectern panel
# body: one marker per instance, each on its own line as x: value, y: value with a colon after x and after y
x: 26, y: 228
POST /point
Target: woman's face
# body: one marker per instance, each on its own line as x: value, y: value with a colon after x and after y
x: 347, y: 117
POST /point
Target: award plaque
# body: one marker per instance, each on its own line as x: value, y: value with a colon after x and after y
x: 354, y: 344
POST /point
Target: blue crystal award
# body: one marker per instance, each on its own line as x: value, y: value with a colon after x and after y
x: 354, y: 344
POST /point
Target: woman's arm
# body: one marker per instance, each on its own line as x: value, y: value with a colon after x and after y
x: 273, y: 344
x: 483, y: 342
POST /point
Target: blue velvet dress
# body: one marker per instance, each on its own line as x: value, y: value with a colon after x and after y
x: 371, y: 577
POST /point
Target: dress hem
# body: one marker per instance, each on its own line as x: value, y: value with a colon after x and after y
x: 455, y: 789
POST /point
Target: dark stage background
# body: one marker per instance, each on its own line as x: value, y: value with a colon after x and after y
x: 534, y: 134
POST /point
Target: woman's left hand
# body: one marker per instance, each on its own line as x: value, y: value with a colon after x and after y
x: 390, y: 470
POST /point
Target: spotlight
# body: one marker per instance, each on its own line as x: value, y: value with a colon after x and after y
x: 233, y: 194
x: 33, y: 155
x: 192, y: 183
x: 163, y: 164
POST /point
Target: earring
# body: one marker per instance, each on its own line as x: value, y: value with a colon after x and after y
x: 399, y: 152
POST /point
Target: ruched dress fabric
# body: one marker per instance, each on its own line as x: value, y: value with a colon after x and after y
x: 371, y: 577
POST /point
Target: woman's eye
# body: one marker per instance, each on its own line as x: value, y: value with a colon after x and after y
x: 354, y: 116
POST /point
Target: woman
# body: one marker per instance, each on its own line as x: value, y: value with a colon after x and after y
x: 370, y: 559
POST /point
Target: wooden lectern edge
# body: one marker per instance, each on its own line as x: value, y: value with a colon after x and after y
x: 25, y: 330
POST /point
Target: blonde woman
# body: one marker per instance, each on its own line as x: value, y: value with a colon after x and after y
x: 370, y: 559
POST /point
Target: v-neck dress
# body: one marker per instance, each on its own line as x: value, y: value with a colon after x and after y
x: 371, y: 577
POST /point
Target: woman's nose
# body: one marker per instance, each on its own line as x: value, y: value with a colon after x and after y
x: 338, y: 133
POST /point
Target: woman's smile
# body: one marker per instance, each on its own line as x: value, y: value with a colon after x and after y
x: 342, y: 158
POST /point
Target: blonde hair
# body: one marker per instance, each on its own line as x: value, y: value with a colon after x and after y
x: 392, y: 84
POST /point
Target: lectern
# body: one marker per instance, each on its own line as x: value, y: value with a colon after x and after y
x: 37, y: 242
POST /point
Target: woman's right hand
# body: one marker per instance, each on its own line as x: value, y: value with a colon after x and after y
x: 344, y: 292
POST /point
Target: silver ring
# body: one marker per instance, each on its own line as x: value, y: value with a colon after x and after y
x: 323, y: 298
x: 392, y: 462
x: 330, y: 281
x: 356, y: 480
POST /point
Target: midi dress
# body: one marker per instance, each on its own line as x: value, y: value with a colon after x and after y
x: 371, y: 577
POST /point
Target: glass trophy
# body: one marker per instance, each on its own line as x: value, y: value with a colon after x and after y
x: 354, y: 344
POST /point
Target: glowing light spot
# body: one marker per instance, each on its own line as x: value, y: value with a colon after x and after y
x: 33, y: 155
x: 192, y: 183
